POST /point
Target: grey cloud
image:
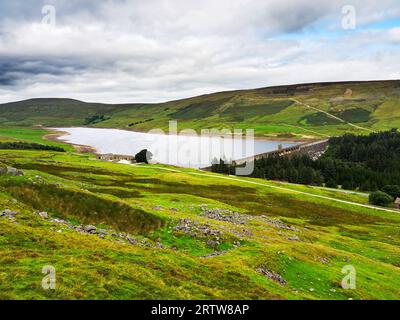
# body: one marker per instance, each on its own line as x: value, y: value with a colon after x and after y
x: 124, y: 51
x: 14, y: 69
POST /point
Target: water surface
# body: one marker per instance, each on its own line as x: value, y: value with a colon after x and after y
x: 181, y: 150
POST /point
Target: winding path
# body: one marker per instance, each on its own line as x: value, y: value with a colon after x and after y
x: 331, y: 115
x: 235, y: 178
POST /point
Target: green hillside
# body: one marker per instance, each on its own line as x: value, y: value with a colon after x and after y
x: 118, y: 231
x: 297, y: 111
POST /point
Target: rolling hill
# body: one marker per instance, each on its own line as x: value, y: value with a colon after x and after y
x: 114, y: 231
x: 297, y: 111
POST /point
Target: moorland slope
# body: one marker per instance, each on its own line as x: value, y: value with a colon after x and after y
x: 115, y: 231
x: 313, y: 110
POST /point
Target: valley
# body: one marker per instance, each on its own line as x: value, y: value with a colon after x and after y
x: 105, y: 223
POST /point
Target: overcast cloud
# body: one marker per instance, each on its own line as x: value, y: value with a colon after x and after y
x: 158, y: 50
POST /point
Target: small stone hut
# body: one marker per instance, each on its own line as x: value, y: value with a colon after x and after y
x: 115, y: 157
x: 397, y: 203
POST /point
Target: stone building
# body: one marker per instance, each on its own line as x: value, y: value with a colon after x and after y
x: 397, y: 203
x: 115, y: 157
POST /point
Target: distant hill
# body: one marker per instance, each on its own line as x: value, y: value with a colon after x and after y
x: 294, y: 111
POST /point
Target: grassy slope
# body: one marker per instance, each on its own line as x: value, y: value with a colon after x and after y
x: 270, y: 111
x: 71, y: 186
x: 30, y: 135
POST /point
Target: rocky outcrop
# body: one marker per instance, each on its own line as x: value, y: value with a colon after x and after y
x: 271, y: 275
x: 201, y: 231
x: 109, y: 234
x: 195, y: 229
x: 223, y: 215
x: 7, y: 213
x: 276, y: 223
x: 10, y: 171
x: 90, y: 229
x: 43, y: 214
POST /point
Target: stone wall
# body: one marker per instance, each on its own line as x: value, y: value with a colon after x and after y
x: 312, y: 149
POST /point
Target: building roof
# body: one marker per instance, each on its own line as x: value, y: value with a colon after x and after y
x: 112, y: 155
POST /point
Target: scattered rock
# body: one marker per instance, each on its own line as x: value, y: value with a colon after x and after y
x: 7, y: 213
x: 160, y: 246
x: 294, y: 238
x: 223, y: 215
x: 323, y: 260
x: 212, y: 243
x: 215, y: 254
x: 196, y: 229
x: 236, y: 244
x: 102, y: 233
x: 90, y: 229
x: 60, y: 221
x: 131, y: 240
x: 277, y: 223
x: 157, y: 208
x: 271, y: 275
x: 43, y: 214
x: 12, y: 171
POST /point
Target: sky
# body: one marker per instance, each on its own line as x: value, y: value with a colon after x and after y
x: 125, y: 51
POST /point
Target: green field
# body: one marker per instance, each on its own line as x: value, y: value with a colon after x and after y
x: 297, y: 111
x: 290, y: 241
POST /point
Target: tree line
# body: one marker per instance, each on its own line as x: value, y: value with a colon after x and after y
x: 29, y: 146
x: 365, y: 163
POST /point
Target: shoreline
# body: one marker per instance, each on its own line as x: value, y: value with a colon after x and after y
x: 258, y: 138
x: 56, y: 135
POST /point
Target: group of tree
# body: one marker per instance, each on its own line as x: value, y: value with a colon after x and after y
x: 365, y: 163
x: 29, y: 146
x: 143, y: 156
x: 96, y: 119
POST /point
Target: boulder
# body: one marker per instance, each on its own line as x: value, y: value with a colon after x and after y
x: 43, y: 214
x: 14, y: 172
x: 5, y: 213
x: 271, y: 275
x: 103, y: 231
x: 211, y: 243
x: 8, y: 213
x: 90, y: 229
x: 131, y: 240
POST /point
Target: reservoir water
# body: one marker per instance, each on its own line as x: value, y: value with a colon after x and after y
x: 181, y: 150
